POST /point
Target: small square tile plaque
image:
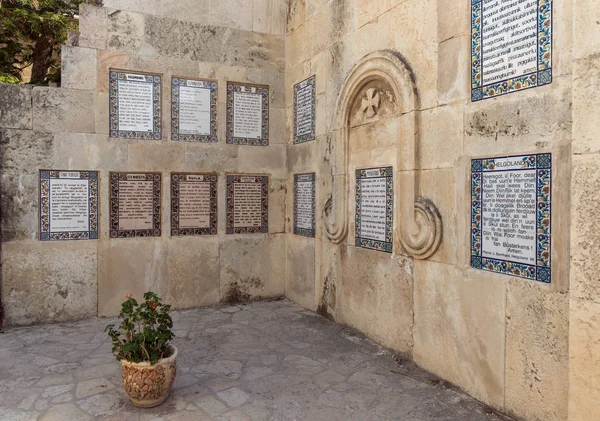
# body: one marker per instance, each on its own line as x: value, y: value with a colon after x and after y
x: 304, y: 204
x: 305, y: 100
x: 135, y: 105
x: 511, y: 215
x: 193, y: 204
x: 135, y: 204
x: 68, y: 205
x: 194, y: 110
x: 247, y: 114
x: 247, y: 204
x: 511, y: 46
x: 374, y: 219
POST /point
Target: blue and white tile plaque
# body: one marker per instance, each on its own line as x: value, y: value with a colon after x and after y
x: 511, y: 215
x: 511, y: 46
x: 374, y: 218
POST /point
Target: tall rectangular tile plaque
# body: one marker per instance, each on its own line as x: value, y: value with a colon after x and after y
x: 135, y: 208
x: 511, y: 46
x: 247, y: 114
x: 135, y: 105
x: 511, y: 215
x: 247, y: 204
x: 374, y: 219
x: 304, y: 205
x: 68, y: 205
x: 305, y: 100
x: 193, y: 204
x: 194, y: 110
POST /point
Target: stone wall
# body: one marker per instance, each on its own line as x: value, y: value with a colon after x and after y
x: 526, y: 348
x: 67, y: 128
x: 504, y: 340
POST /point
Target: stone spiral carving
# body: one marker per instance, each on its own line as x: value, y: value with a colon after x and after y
x: 420, y: 220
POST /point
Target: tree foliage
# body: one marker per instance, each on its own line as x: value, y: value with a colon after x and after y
x: 31, y: 33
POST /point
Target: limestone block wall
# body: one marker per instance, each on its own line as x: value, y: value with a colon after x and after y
x: 504, y: 340
x: 67, y: 128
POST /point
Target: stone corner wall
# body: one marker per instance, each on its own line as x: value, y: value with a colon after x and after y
x: 67, y: 129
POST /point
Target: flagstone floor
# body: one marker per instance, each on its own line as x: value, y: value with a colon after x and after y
x: 269, y: 361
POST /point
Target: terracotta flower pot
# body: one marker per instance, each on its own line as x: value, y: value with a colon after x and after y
x: 149, y: 385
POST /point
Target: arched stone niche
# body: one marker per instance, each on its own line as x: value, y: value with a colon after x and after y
x: 381, y: 83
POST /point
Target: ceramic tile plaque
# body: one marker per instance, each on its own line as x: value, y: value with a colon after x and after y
x: 511, y: 46
x: 247, y: 204
x: 304, y: 205
x: 374, y: 219
x: 247, y: 114
x: 135, y: 105
x: 193, y: 204
x: 511, y: 215
x: 135, y: 204
x: 68, y: 205
x: 194, y: 110
x: 305, y: 100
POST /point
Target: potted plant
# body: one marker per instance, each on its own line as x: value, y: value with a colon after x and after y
x: 142, y: 344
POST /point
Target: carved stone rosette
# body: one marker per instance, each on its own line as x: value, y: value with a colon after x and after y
x: 420, y: 222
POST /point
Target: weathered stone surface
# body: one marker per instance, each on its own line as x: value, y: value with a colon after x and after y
x: 538, y: 121
x: 109, y: 60
x: 585, y: 228
x: 586, y: 83
x: 269, y: 16
x: 65, y: 281
x: 63, y: 110
x: 193, y: 271
x: 19, y: 207
x: 25, y: 151
x: 257, y: 160
x: 93, y: 387
x: 251, y: 267
x: 78, y: 68
x: 374, y: 290
x: 67, y: 411
x: 130, y: 266
x: 93, y: 26
x: 453, y: 75
x: 537, y: 351
x: 82, y: 151
x: 300, y: 276
x: 277, y: 198
x: 584, y: 360
x: 461, y: 316
x: 15, y: 108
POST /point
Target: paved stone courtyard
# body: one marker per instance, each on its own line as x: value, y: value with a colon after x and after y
x: 269, y: 361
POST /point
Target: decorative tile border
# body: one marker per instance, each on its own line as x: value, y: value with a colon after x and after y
x: 370, y: 173
x: 300, y: 178
x: 115, y: 177
x: 46, y: 233
x: 153, y: 79
x: 263, y: 90
x: 176, y: 179
x: 231, y: 181
x: 543, y: 75
x: 176, y: 83
x: 542, y: 163
x: 310, y: 82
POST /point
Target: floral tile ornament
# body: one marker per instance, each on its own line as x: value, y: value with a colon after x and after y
x: 68, y: 203
x: 247, y: 204
x: 194, y: 116
x: 374, y: 217
x: 511, y: 47
x: 304, y: 205
x: 511, y: 219
x: 135, y: 204
x: 194, y: 204
x: 247, y: 114
x: 135, y: 110
x: 305, y: 102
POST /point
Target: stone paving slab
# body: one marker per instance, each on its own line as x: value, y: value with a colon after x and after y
x: 271, y: 361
